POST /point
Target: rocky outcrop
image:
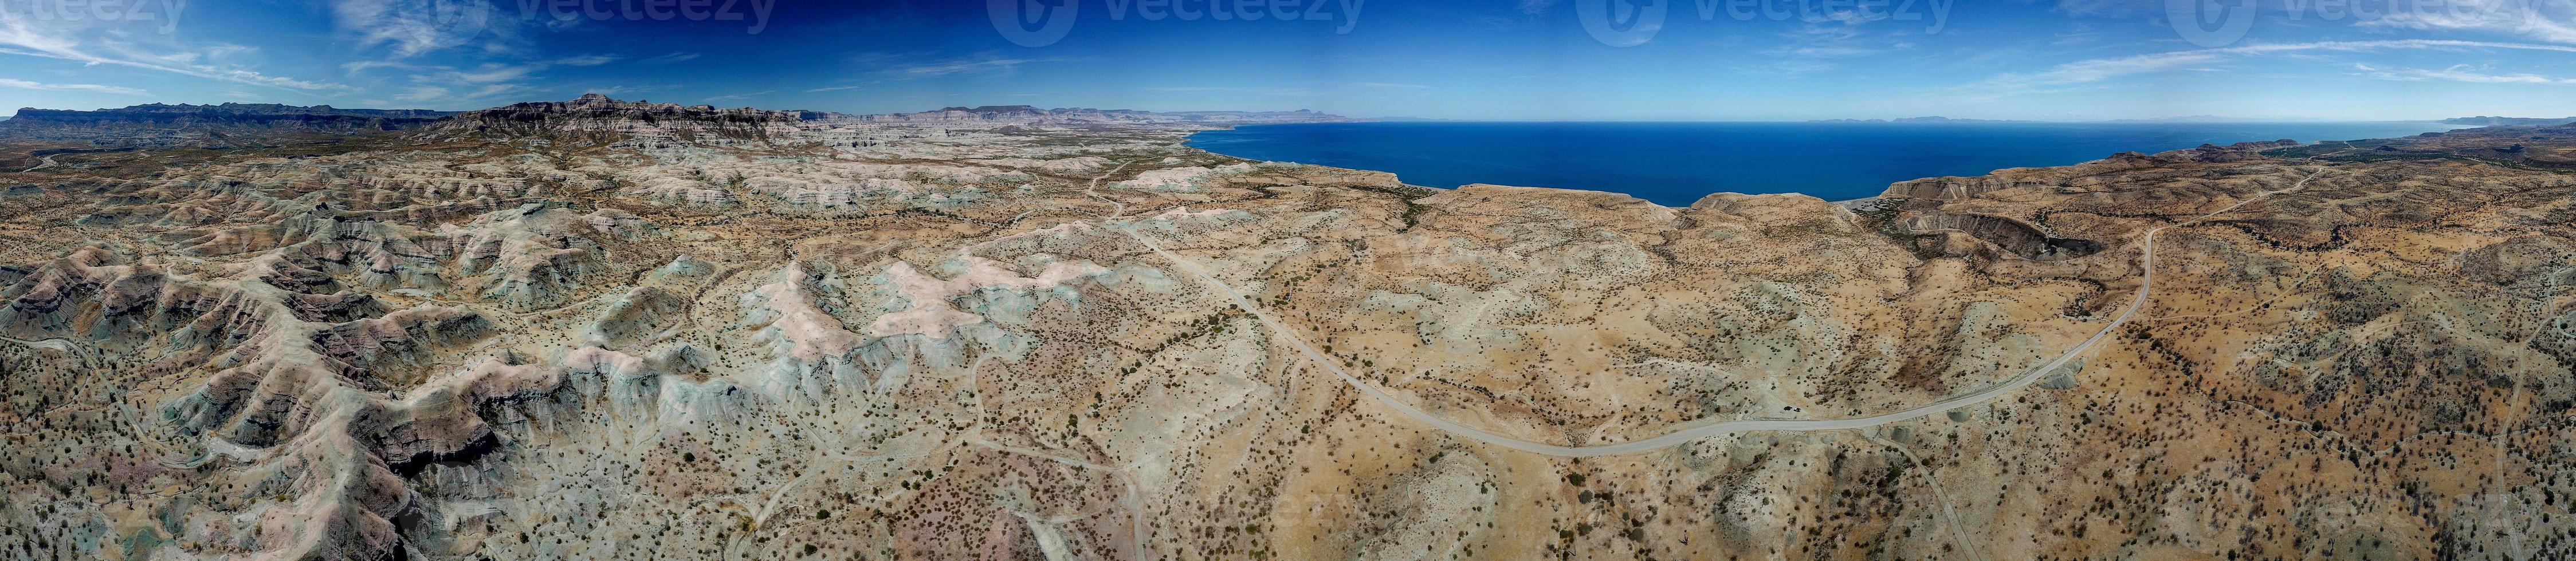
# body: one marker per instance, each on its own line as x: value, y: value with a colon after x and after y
x: 597, y: 117
x: 1943, y: 213
x: 2020, y: 238
x: 287, y: 387
x: 2085, y: 177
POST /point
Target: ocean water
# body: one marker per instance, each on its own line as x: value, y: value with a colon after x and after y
x: 1677, y: 163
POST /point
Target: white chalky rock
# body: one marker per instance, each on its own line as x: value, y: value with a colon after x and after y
x: 1184, y: 179
x: 676, y: 190
x: 933, y: 315
x: 809, y: 348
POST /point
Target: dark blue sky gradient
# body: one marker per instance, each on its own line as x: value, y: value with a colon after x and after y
x: 1506, y: 59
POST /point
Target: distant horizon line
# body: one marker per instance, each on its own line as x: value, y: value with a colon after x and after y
x: 1685, y: 121
x: 1901, y: 121
x: 1928, y: 119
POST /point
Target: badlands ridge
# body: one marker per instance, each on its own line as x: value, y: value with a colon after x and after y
x: 600, y: 329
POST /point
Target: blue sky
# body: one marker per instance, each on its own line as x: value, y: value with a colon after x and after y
x: 1503, y: 59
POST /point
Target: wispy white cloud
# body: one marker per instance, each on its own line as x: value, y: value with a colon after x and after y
x: 357, y: 66
x: 102, y: 48
x: 1845, y: 40
x: 494, y: 91
x: 479, y: 84
x: 1822, y: 46
x: 670, y: 58
x: 2543, y: 20
x: 2095, y: 71
x: 490, y: 73
x: 981, y: 65
x: 454, y: 98
x: 2110, y: 7
x: 2078, y: 35
x: 412, y: 27
x: 422, y: 93
x: 2456, y: 73
x: 486, y: 84
x: 23, y: 84
x: 731, y: 97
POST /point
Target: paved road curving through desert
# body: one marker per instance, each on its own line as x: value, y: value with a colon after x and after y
x: 55, y: 343
x: 2146, y: 285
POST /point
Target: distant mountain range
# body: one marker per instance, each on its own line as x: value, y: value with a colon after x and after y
x: 266, y: 114
x: 591, y: 115
x: 1935, y: 119
x: 157, y: 123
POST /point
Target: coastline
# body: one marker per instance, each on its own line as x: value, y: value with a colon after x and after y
x: 1675, y: 164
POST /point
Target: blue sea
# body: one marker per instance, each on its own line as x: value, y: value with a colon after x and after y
x: 1677, y: 163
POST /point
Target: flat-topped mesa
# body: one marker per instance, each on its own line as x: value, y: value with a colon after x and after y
x: 228, y: 112
x: 157, y: 123
x: 594, y: 106
x: 595, y: 113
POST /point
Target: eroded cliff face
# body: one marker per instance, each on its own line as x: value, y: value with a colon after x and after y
x: 937, y: 337
x: 595, y: 120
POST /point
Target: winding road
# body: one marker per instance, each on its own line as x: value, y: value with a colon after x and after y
x: 2145, y: 286
x: 55, y: 343
x: 48, y: 161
